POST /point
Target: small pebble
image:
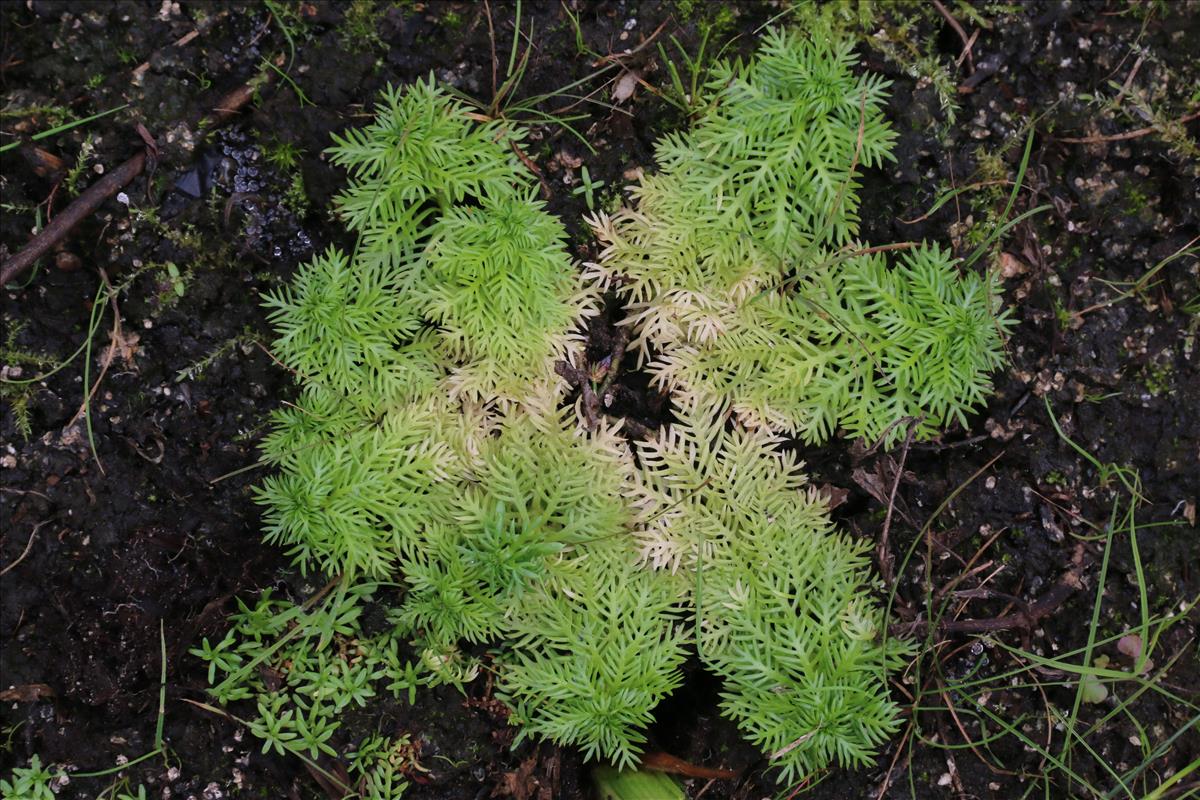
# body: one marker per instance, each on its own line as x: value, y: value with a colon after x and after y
x: 67, y: 262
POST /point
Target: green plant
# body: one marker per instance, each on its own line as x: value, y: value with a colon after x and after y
x: 614, y: 784
x: 303, y: 667
x: 449, y: 235
x: 360, y: 25
x: 55, y: 113
x: 29, y: 783
x: 380, y: 765
x: 18, y: 394
x: 429, y: 449
x: 594, y: 648
x: 781, y: 608
x: 1115, y: 674
x: 172, y: 284
x: 282, y: 153
x: 587, y: 187
x: 685, y: 90
x: 743, y: 278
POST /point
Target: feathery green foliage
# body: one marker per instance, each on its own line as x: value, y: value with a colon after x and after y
x: 427, y: 442
x: 743, y: 282
x: 504, y: 294
x: 780, y: 598
x: 422, y: 156
x: 759, y: 181
x: 354, y: 501
x: 856, y: 344
x: 346, y: 327
x: 513, y: 521
x: 428, y: 449
x: 595, y: 648
x: 540, y: 556
x: 460, y: 279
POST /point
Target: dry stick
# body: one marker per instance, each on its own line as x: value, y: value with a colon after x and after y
x: 963, y: 732
x: 232, y: 103
x: 1049, y: 602
x: 886, y: 783
x: 665, y: 762
x: 962, y: 34
x: 95, y: 195
x: 882, y: 248
x: 1129, y: 80
x: 614, y: 361
x: 1120, y: 137
x: 577, y: 377
x: 492, y: 40
x: 969, y: 568
x: 28, y: 545
x: 966, y: 53
x: 882, y: 551
x: 74, y: 214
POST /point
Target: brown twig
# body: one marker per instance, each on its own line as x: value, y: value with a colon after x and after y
x: 635, y: 429
x: 532, y: 167
x: 95, y: 195
x: 614, y: 361
x: 577, y: 377
x: 616, y: 58
x: 1027, y: 617
x: 28, y: 546
x: 1129, y: 79
x: 962, y: 34
x: 969, y: 568
x: 665, y: 762
x: 232, y: 103
x: 1121, y: 137
x: 64, y: 222
x: 492, y: 41
x: 886, y: 783
x: 966, y: 53
x: 882, y: 551
x: 882, y: 248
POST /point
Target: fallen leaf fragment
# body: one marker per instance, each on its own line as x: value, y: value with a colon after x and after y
x: 26, y: 693
x: 665, y: 762
x: 1011, y: 266
x: 626, y: 85
x: 1130, y: 645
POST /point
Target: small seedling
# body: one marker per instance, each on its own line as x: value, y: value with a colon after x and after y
x: 29, y: 783
x: 587, y: 187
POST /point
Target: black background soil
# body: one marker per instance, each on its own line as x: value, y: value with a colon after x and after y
x: 158, y: 529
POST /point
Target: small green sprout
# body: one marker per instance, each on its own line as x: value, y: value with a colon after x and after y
x: 587, y: 187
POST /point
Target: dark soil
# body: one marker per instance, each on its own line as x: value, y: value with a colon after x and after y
x: 156, y: 532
